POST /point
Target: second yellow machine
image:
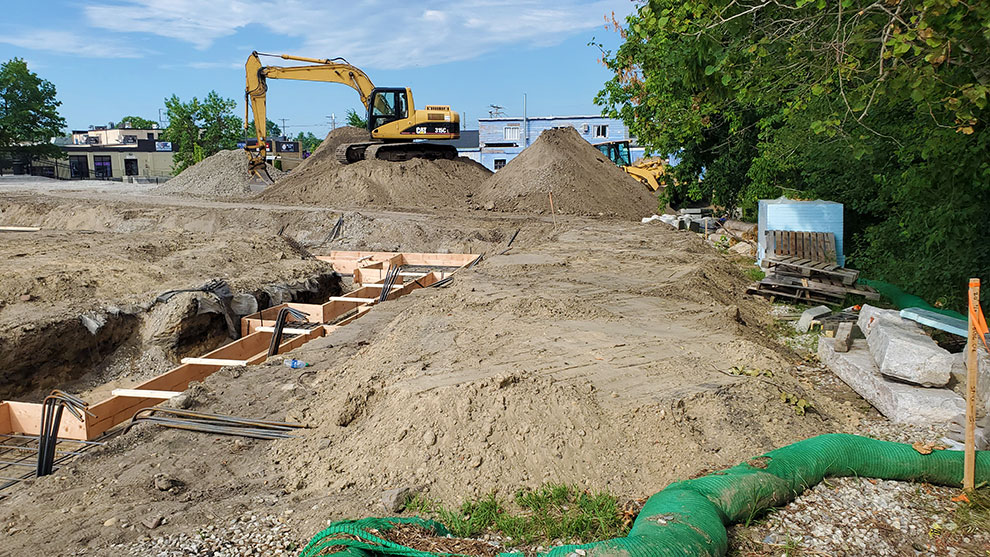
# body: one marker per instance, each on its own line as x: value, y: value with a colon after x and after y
x: 394, y: 123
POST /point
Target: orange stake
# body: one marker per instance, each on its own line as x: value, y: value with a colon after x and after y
x: 552, y: 212
x: 977, y: 326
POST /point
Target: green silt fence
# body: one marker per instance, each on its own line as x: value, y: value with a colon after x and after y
x: 689, y: 518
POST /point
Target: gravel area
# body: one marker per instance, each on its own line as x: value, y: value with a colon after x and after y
x: 247, y: 535
x: 859, y: 516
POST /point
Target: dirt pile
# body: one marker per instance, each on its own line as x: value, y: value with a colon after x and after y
x: 493, y: 385
x: 322, y: 180
x: 583, y: 181
x: 219, y: 176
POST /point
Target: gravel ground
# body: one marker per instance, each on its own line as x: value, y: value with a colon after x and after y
x: 247, y: 535
x: 859, y: 516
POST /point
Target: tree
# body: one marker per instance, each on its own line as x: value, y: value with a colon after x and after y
x: 308, y: 141
x: 198, y: 129
x: 137, y: 122
x: 354, y: 119
x: 879, y: 105
x: 29, y: 116
x: 271, y: 128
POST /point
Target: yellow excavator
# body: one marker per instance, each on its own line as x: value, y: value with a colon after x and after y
x: 652, y: 172
x: 395, y: 126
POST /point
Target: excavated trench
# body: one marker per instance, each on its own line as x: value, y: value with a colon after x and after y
x: 134, y: 342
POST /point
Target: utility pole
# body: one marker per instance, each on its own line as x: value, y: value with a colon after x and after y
x: 333, y: 120
x: 284, y: 133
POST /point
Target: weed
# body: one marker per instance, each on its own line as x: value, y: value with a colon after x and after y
x: 552, y: 513
x: 974, y: 516
x: 754, y: 274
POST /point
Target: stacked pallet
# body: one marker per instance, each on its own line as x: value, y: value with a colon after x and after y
x: 801, y: 267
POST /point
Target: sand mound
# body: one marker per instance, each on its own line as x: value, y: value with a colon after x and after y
x: 583, y: 181
x: 489, y: 385
x: 322, y: 180
x: 222, y: 175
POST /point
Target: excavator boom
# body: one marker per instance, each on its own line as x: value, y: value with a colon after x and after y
x: 392, y: 117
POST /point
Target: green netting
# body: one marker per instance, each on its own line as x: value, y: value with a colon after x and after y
x: 689, y: 517
x: 367, y: 543
x: 903, y: 300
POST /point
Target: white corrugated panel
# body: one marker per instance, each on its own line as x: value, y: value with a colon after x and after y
x: 800, y: 216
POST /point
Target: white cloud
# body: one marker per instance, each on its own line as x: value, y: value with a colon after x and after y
x: 371, y: 33
x: 71, y: 43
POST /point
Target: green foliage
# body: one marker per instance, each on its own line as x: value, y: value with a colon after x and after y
x: 308, y: 141
x: 355, y: 119
x: 29, y: 116
x: 880, y: 106
x: 553, y: 513
x: 198, y: 129
x: 137, y: 122
x: 271, y: 128
x: 754, y: 274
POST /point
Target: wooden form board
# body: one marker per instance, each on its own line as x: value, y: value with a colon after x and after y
x: 252, y: 347
x: 347, y: 261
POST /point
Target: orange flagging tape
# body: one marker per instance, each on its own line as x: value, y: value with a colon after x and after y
x: 976, y: 315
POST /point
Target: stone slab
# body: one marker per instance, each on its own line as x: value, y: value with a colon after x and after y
x: 809, y: 315
x: 843, y: 337
x: 900, y: 402
x: 902, y: 350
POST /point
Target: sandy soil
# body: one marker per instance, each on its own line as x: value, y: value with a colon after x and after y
x: 581, y: 179
x: 592, y: 352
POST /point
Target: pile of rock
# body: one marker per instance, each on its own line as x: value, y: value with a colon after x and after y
x: 902, y: 372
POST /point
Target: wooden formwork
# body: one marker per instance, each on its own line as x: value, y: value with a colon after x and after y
x: 369, y: 270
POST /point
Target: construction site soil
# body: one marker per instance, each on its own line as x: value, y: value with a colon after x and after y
x: 594, y: 351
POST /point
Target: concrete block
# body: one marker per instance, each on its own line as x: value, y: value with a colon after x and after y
x: 809, y: 315
x: 843, y: 337
x: 900, y: 402
x: 902, y: 350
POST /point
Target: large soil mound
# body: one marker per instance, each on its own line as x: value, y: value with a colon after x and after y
x: 583, y: 181
x: 222, y: 175
x: 322, y: 180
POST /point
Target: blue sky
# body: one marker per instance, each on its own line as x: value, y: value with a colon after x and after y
x: 111, y: 58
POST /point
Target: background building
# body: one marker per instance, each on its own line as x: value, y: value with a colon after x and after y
x: 502, y: 138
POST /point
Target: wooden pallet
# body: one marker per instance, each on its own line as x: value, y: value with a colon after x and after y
x: 812, y: 246
x: 809, y: 290
x: 797, y: 267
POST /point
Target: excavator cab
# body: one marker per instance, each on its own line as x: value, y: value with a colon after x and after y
x: 616, y: 151
x: 388, y: 104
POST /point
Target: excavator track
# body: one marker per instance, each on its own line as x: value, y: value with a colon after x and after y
x: 393, y: 152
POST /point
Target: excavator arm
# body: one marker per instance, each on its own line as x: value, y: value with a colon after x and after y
x: 330, y: 71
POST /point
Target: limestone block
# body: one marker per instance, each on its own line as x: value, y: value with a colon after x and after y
x: 902, y: 350
x: 897, y: 401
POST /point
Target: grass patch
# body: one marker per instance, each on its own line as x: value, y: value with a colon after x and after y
x: 754, y: 274
x: 974, y: 516
x: 554, y: 513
